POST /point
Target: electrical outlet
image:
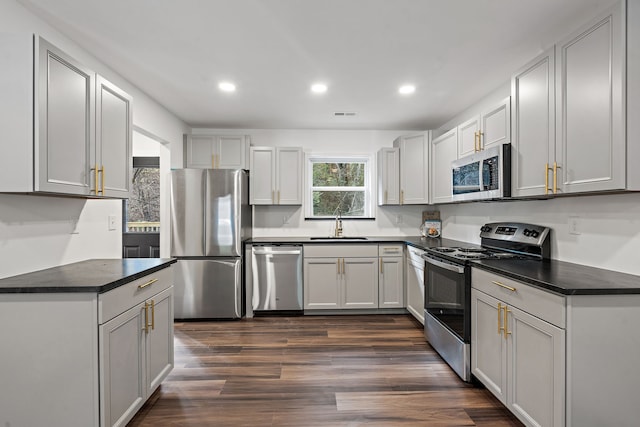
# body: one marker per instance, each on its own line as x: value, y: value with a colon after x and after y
x: 112, y: 223
x: 574, y: 226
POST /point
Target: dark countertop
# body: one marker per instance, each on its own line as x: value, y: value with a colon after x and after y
x: 561, y: 277
x: 95, y: 275
x: 564, y: 278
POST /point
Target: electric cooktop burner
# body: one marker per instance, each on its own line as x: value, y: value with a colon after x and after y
x: 468, y: 253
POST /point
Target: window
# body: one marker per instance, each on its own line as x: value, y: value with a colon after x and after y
x: 339, y: 185
x: 143, y: 206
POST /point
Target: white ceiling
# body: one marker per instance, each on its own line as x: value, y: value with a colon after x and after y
x: 454, y: 51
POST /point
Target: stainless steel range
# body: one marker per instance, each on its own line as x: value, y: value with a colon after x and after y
x: 447, y: 324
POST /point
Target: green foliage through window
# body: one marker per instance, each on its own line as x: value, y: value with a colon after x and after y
x: 339, y: 187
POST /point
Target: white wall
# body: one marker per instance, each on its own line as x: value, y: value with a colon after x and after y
x: 38, y: 232
x: 269, y: 221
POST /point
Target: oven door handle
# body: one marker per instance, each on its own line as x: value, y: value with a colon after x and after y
x: 446, y: 266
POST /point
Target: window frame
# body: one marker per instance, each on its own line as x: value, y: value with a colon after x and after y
x: 369, y: 212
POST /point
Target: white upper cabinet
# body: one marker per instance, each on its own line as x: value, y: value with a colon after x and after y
x: 64, y: 149
x: 468, y: 137
x: 276, y: 176
x: 489, y: 128
x: 389, y: 176
x: 590, y: 149
x: 217, y: 151
x: 63, y: 133
x: 414, y: 168
x: 113, y: 138
x: 533, y: 146
x: 444, y: 150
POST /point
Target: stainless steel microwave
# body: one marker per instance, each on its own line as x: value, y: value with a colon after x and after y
x: 483, y: 175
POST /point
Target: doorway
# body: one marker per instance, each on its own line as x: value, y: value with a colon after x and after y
x: 141, y: 233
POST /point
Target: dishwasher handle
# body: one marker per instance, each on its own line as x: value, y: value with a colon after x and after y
x: 268, y: 252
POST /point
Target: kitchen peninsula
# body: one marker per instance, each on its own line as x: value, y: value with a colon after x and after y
x: 88, y: 342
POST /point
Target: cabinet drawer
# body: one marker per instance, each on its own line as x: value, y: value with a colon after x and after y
x: 118, y: 300
x: 341, y: 250
x: 390, y: 250
x: 545, y: 305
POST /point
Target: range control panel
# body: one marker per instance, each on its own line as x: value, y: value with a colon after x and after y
x: 514, y: 231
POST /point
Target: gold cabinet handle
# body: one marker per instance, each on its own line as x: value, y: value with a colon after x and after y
x: 153, y: 315
x: 475, y: 142
x: 402, y: 197
x: 506, y: 326
x: 102, y: 180
x: 502, y: 285
x: 500, y: 328
x: 149, y: 283
x: 343, y: 267
x: 95, y: 179
x: 146, y: 317
x: 546, y: 178
x: 338, y: 266
x: 555, y: 177
x: 381, y: 264
x: 480, y: 134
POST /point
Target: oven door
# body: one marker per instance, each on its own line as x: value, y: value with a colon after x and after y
x: 445, y: 296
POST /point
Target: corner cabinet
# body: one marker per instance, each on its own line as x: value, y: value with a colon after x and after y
x: 340, y: 276
x: 444, y: 150
x: 217, y: 151
x: 414, y: 168
x: 67, y: 135
x: 275, y: 176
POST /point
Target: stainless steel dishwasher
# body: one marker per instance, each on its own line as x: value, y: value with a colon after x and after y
x: 277, y: 278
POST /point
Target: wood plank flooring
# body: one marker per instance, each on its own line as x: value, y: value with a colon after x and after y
x: 314, y: 371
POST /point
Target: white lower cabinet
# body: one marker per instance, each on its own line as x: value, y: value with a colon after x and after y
x: 340, y: 276
x: 391, y: 281
x: 517, y: 353
x: 414, y: 273
x: 136, y: 347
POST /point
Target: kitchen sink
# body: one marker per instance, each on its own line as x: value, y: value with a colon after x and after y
x: 338, y: 238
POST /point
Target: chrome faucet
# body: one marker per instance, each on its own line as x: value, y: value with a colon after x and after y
x: 338, y: 230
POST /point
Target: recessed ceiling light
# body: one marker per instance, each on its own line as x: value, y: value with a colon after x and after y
x: 227, y: 87
x: 318, y: 88
x: 407, y: 89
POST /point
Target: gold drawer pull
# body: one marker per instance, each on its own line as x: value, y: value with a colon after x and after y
x: 502, y: 285
x: 149, y: 283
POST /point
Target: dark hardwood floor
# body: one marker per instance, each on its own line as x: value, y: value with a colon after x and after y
x: 314, y: 371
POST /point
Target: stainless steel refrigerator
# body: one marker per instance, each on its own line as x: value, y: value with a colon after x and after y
x: 210, y: 218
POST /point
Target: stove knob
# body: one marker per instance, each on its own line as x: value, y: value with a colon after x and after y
x: 534, y: 234
x: 485, y: 228
x: 527, y: 232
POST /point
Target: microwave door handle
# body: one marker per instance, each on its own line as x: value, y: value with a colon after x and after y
x: 446, y: 266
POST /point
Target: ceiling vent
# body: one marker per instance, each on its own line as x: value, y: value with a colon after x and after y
x: 344, y: 114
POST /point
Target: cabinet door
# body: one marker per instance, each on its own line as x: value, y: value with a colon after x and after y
x: 289, y: 176
x: 590, y: 108
x: 496, y: 125
x: 113, y: 139
x: 468, y: 137
x: 64, y: 149
x: 360, y: 283
x: 201, y: 151
x: 533, y: 121
x: 489, y: 355
x: 415, y: 288
x: 322, y: 280
x: 159, y: 346
x: 536, y: 361
x: 389, y: 176
x: 262, y: 182
x: 444, y: 150
x: 122, y: 361
x: 231, y: 152
x: 414, y: 170
x: 391, y: 284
